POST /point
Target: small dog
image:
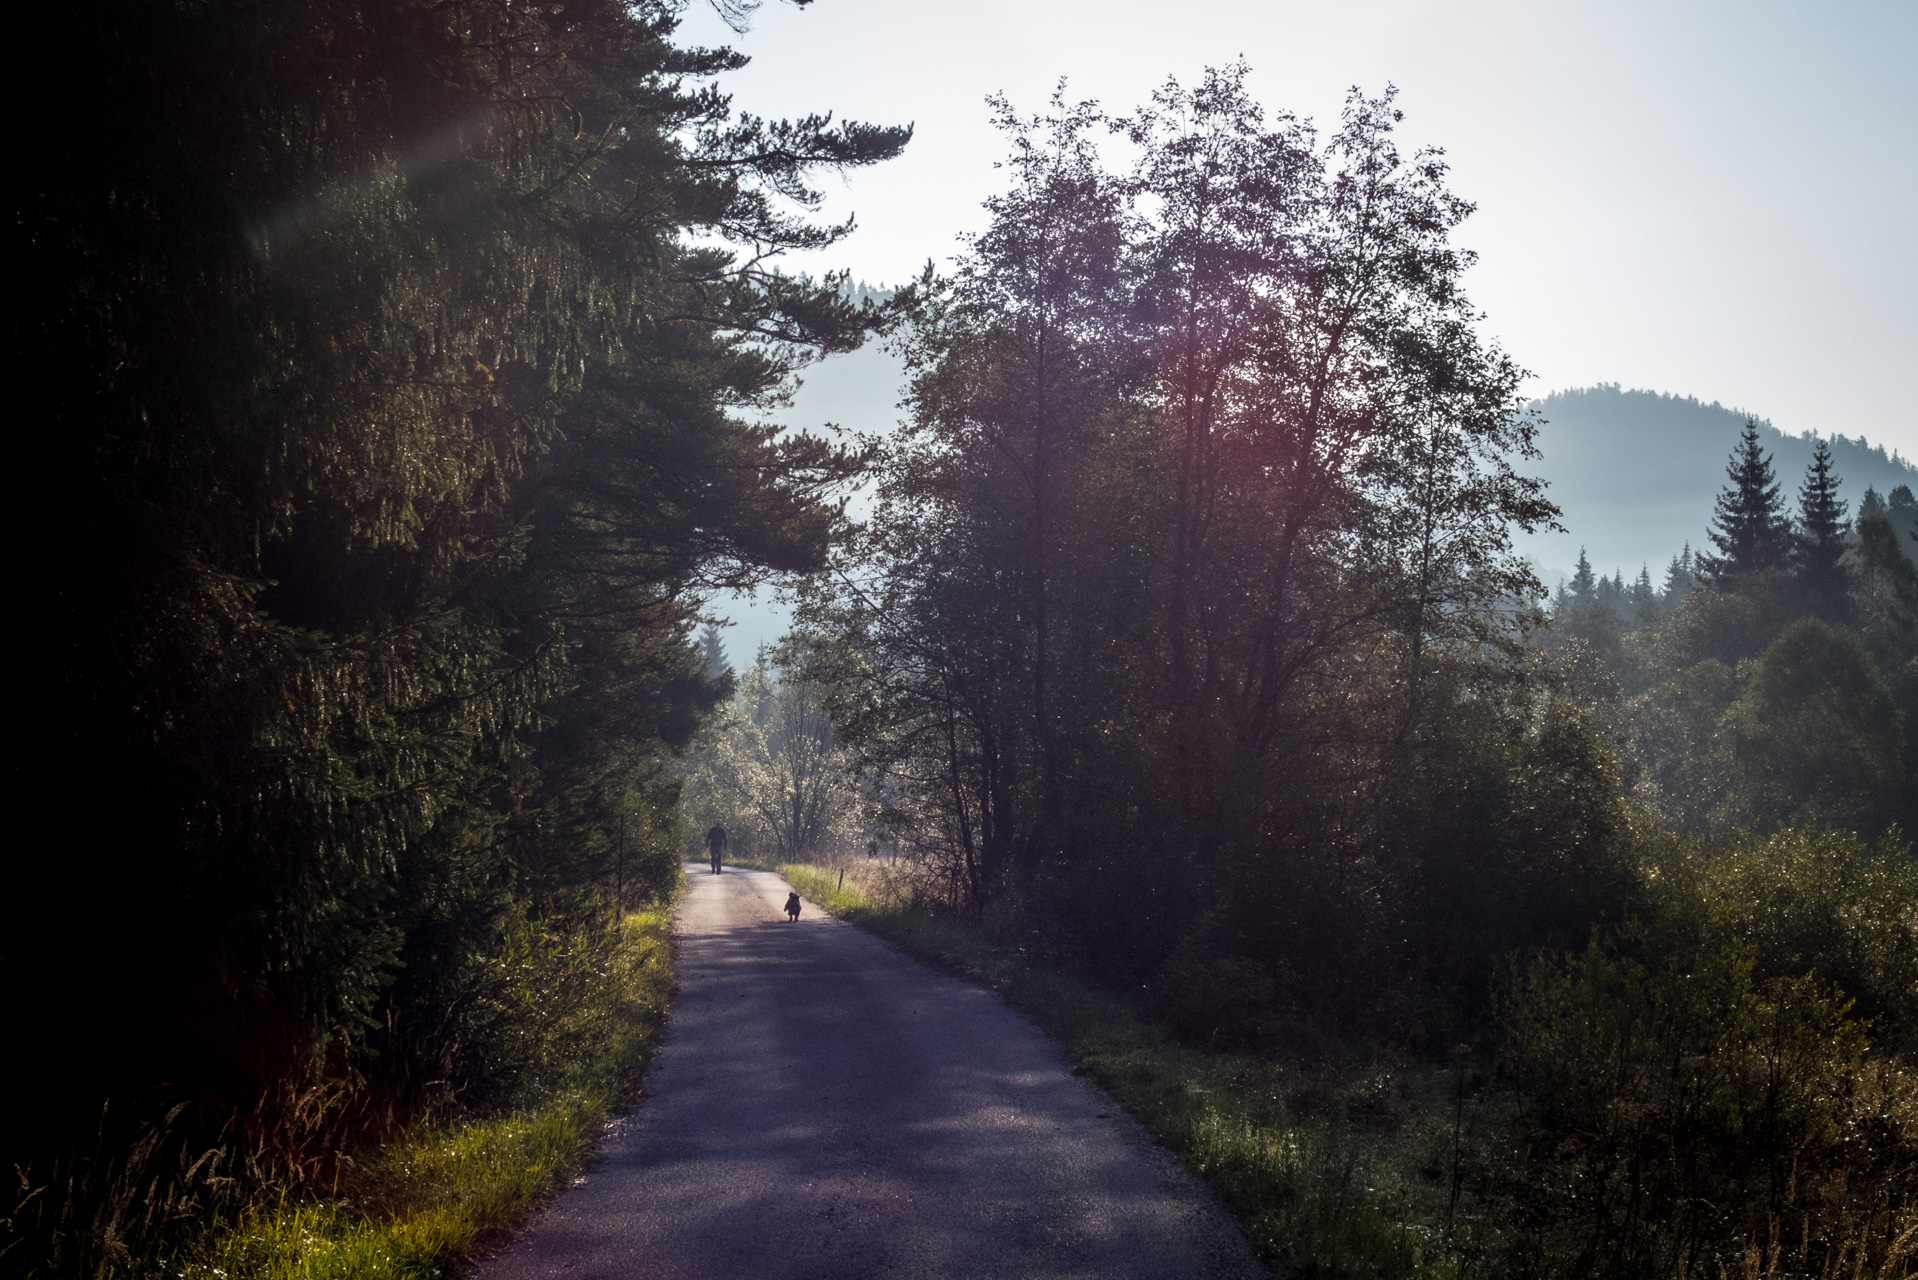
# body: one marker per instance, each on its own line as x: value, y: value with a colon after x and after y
x: 792, y: 905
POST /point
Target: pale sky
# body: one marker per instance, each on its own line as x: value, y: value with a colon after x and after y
x: 1709, y: 199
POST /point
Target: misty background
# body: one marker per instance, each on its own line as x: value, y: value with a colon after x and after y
x: 1682, y: 208
x: 1694, y: 198
x: 1634, y: 471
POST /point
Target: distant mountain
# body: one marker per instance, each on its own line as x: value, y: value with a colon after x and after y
x: 1635, y: 473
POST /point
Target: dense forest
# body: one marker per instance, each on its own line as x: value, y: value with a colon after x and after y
x: 405, y: 372
x: 1767, y: 680
x: 400, y: 369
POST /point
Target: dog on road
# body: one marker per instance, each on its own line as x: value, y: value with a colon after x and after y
x: 792, y: 905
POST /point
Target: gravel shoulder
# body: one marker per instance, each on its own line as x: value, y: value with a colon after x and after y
x: 825, y: 1106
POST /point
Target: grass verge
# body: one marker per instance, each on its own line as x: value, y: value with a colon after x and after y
x: 1323, y: 1195
x: 433, y: 1199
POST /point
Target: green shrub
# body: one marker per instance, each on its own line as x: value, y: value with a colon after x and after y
x: 1803, y: 901
x: 1680, y: 1117
x: 552, y: 1003
x: 1815, y: 735
x: 583, y: 1006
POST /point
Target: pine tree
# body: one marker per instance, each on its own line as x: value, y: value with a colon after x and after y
x: 1823, y: 530
x: 1644, y: 598
x: 1584, y: 587
x: 1901, y: 508
x: 1679, y: 578
x: 712, y: 651
x: 1750, y: 529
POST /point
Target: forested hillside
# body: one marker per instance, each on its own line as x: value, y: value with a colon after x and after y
x: 1772, y: 677
x: 1634, y: 471
x: 399, y: 366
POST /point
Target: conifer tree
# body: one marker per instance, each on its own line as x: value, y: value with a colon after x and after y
x: 398, y: 386
x: 1823, y: 530
x: 1680, y: 577
x: 1644, y: 598
x: 712, y: 651
x: 1901, y: 508
x: 1750, y: 529
x: 1584, y: 587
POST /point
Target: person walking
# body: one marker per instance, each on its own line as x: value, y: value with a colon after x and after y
x: 716, y: 845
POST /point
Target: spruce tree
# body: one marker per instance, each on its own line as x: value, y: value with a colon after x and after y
x: 1680, y: 577
x: 1750, y: 529
x: 402, y: 404
x: 1823, y: 530
x: 1644, y: 598
x: 1901, y: 508
x: 712, y: 651
x: 1584, y: 587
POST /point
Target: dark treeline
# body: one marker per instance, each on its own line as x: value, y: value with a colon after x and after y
x: 395, y: 364
x: 1187, y: 647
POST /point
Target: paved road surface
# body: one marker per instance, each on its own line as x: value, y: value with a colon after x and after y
x: 826, y: 1108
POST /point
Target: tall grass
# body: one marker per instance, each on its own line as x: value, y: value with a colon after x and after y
x: 1370, y: 1163
x: 420, y: 1205
x: 446, y: 1189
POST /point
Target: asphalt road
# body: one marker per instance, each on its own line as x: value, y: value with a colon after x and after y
x: 825, y: 1107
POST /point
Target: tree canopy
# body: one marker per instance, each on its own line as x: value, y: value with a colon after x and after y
x: 1197, y: 534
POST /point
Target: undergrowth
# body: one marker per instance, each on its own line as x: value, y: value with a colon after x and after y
x: 1775, y: 1142
x: 434, y: 1198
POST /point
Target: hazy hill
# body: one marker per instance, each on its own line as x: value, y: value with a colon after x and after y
x: 1635, y: 473
x: 858, y: 392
